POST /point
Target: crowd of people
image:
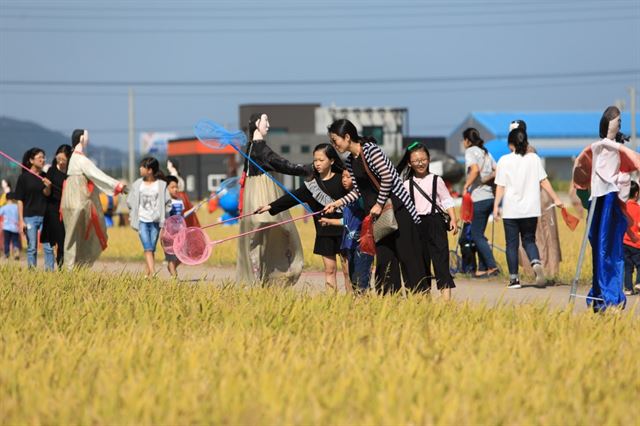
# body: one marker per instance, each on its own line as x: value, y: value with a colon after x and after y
x: 404, y: 209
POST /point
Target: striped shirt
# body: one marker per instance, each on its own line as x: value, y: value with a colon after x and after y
x: 387, y: 176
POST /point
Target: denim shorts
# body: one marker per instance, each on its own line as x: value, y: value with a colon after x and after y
x: 149, y: 232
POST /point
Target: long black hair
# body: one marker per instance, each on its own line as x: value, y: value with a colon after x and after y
x: 343, y: 127
x: 154, y: 165
x: 28, y: 156
x: 62, y: 149
x: 403, y: 167
x: 473, y: 136
x: 518, y: 138
x: 609, y: 114
x: 75, y: 137
x: 331, y: 153
x: 252, y: 123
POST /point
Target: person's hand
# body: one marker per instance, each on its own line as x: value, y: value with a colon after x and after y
x: 496, y: 214
x: 331, y: 207
x: 323, y: 221
x: 125, y: 189
x: 453, y: 227
x: 46, y: 182
x: 465, y: 188
x: 559, y: 204
x: 376, y: 210
x: 263, y: 209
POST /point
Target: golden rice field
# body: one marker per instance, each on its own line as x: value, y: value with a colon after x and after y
x: 124, y: 244
x: 84, y: 348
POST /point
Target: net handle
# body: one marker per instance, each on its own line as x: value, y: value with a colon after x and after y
x: 228, y: 220
x: 233, y: 237
x: 14, y: 161
x: 271, y: 177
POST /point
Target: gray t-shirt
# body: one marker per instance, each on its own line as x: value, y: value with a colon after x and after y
x: 486, y: 165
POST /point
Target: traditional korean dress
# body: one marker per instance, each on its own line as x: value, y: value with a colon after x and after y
x: 85, y: 229
x: 607, y: 164
x: 273, y: 256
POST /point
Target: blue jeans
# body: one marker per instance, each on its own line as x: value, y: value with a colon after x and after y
x: 149, y: 232
x: 481, y: 211
x: 513, y: 230
x: 359, y: 268
x: 631, y: 262
x: 34, y: 224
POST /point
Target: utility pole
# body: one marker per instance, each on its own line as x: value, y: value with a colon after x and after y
x: 132, y: 155
x: 632, y: 95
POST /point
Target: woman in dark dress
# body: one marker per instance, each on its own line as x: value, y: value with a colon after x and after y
x: 324, y: 188
x: 52, y: 226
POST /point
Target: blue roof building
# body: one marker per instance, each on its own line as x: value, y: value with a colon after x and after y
x: 558, y: 137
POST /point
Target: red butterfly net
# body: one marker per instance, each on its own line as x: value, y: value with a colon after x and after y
x: 466, y: 211
x: 192, y: 246
x: 570, y: 220
x: 172, y: 227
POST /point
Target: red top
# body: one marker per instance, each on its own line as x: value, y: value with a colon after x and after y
x: 633, y: 210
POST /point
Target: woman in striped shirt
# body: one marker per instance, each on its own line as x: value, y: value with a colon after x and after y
x: 401, y: 249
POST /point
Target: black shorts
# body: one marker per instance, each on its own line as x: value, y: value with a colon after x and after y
x: 327, y: 245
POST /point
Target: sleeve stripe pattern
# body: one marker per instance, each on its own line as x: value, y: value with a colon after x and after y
x: 387, y: 176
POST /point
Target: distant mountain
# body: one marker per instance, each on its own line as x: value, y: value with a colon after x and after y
x: 17, y: 136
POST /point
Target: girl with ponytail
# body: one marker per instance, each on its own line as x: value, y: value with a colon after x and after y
x: 480, y: 167
x: 519, y: 178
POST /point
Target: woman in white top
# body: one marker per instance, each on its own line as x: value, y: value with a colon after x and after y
x: 423, y: 187
x: 519, y: 177
x: 480, y: 167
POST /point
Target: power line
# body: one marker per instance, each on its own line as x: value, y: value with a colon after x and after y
x: 146, y: 16
x: 353, y: 28
x: 139, y: 94
x: 238, y: 6
x: 323, y: 82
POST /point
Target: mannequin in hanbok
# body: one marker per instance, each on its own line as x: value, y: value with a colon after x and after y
x: 85, y: 229
x: 273, y: 256
x: 604, y: 167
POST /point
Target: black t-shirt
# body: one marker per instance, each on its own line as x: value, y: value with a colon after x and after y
x: 332, y: 187
x: 29, y: 190
x: 57, y: 179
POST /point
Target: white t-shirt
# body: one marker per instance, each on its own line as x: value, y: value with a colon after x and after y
x: 486, y: 163
x: 149, y: 198
x: 521, y: 177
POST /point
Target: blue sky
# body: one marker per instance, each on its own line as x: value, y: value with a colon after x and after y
x: 193, y: 59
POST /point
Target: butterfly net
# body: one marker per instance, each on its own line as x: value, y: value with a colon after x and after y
x: 172, y: 227
x: 215, y: 136
x: 192, y: 246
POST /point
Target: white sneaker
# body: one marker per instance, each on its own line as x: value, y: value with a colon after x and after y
x: 514, y: 283
x: 539, y: 271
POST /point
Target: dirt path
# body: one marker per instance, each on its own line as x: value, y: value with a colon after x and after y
x: 490, y: 292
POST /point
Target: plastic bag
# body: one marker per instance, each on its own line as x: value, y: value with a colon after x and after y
x: 466, y: 210
x: 367, y: 242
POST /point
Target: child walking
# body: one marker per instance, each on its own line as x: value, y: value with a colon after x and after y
x: 324, y: 188
x: 632, y: 247
x: 359, y: 263
x: 149, y: 202
x: 177, y: 208
x: 10, y: 230
x: 431, y: 198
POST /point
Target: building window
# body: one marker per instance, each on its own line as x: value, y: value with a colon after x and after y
x: 305, y: 149
x: 285, y: 149
x: 374, y: 131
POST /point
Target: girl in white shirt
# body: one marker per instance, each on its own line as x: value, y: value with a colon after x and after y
x: 519, y: 177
